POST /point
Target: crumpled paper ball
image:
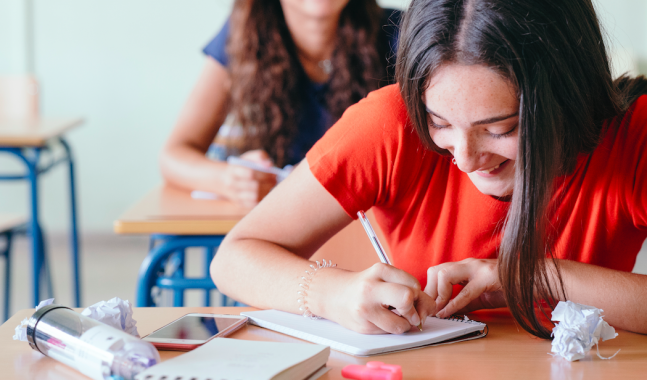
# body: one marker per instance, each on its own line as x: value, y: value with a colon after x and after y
x: 580, y: 328
x: 21, y: 329
x: 116, y: 313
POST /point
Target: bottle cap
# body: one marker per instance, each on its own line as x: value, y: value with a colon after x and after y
x: 33, y: 321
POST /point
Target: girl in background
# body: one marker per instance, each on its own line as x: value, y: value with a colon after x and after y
x: 286, y: 69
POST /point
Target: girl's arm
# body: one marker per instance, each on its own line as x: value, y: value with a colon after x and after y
x: 183, y: 160
x: 262, y: 260
x: 622, y: 295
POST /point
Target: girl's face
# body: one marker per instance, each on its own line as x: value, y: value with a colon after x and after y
x: 474, y: 114
x: 315, y: 8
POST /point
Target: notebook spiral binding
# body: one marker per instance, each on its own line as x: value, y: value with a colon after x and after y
x: 463, y: 319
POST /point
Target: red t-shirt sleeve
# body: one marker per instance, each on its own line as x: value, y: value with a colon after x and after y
x: 638, y: 201
x: 356, y: 159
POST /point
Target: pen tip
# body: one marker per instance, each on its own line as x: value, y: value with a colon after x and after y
x: 420, y: 326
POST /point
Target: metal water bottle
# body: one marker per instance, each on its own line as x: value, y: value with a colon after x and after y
x: 89, y: 346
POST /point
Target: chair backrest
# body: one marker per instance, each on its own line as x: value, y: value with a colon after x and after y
x: 18, y: 97
x: 351, y: 249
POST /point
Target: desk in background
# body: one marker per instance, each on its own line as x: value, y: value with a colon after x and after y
x: 175, y: 222
x: 29, y: 140
x: 507, y: 352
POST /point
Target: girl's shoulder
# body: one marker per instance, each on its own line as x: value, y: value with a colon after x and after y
x: 629, y: 129
x: 373, y: 154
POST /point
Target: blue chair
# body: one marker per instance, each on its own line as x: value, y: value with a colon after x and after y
x: 163, y: 268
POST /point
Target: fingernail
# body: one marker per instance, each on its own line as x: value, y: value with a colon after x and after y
x: 441, y: 314
x: 415, y: 320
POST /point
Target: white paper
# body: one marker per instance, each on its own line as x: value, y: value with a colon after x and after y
x: 580, y: 328
x: 21, y: 329
x: 116, y: 313
x: 339, y: 338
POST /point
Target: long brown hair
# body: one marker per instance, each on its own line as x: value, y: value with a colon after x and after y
x: 267, y: 77
x: 553, y: 52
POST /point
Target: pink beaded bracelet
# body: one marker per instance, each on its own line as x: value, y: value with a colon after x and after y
x: 307, y: 279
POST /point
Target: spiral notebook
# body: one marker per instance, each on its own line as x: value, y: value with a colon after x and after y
x: 435, y: 331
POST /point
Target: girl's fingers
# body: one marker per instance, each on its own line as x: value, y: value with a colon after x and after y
x: 391, y: 274
x: 260, y: 156
x: 469, y: 293
x: 449, y: 276
x: 402, y: 298
x: 432, y: 282
x: 425, y: 306
x: 242, y: 173
x: 386, y: 320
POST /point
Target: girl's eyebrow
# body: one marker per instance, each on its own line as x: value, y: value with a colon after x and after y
x: 489, y: 120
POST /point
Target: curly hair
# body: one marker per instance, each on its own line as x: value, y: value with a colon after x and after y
x: 267, y: 77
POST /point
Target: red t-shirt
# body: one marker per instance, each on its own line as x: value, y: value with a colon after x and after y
x: 431, y: 212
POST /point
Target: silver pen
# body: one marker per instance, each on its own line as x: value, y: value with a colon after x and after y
x: 377, y: 245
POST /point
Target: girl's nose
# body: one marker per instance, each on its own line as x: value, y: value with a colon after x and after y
x: 466, y: 153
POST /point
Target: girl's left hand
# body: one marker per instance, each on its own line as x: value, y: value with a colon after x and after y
x: 482, y: 288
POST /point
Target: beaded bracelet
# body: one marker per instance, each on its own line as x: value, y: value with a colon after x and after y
x: 307, y: 279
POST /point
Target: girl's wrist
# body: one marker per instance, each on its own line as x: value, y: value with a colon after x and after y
x: 322, y: 294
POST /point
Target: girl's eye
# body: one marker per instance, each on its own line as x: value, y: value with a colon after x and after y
x: 437, y: 126
x: 502, y: 135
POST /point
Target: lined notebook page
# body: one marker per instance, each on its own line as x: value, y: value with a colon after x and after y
x: 224, y: 358
x: 341, y: 339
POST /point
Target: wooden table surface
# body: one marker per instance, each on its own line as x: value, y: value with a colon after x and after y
x: 168, y: 210
x: 506, y: 353
x: 34, y: 132
x: 9, y: 221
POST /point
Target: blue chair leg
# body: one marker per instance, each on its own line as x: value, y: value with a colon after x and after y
x: 208, y: 257
x: 150, y: 268
x: 74, y: 237
x: 178, y: 294
x: 37, y: 254
x: 45, y: 276
x: 7, y: 278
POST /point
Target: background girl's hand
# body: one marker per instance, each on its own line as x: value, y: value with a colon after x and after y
x: 362, y: 300
x: 248, y: 186
x: 482, y: 288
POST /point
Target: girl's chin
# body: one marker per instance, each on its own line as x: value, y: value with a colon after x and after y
x: 498, y: 189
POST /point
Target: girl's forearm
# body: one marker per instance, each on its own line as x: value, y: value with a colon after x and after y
x: 622, y: 295
x: 265, y: 275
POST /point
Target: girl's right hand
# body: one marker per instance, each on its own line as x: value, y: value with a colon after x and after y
x: 360, y: 300
x: 247, y: 186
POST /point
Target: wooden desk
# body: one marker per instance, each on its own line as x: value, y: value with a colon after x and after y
x: 9, y: 221
x: 172, y: 213
x: 34, y: 132
x: 168, y: 210
x: 506, y: 353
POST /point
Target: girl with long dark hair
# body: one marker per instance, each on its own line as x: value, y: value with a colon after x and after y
x: 506, y: 160
x: 286, y: 70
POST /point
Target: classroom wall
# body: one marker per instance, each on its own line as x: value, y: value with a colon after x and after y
x: 127, y: 66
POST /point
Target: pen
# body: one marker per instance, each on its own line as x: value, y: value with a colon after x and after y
x: 377, y: 245
x: 280, y: 173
